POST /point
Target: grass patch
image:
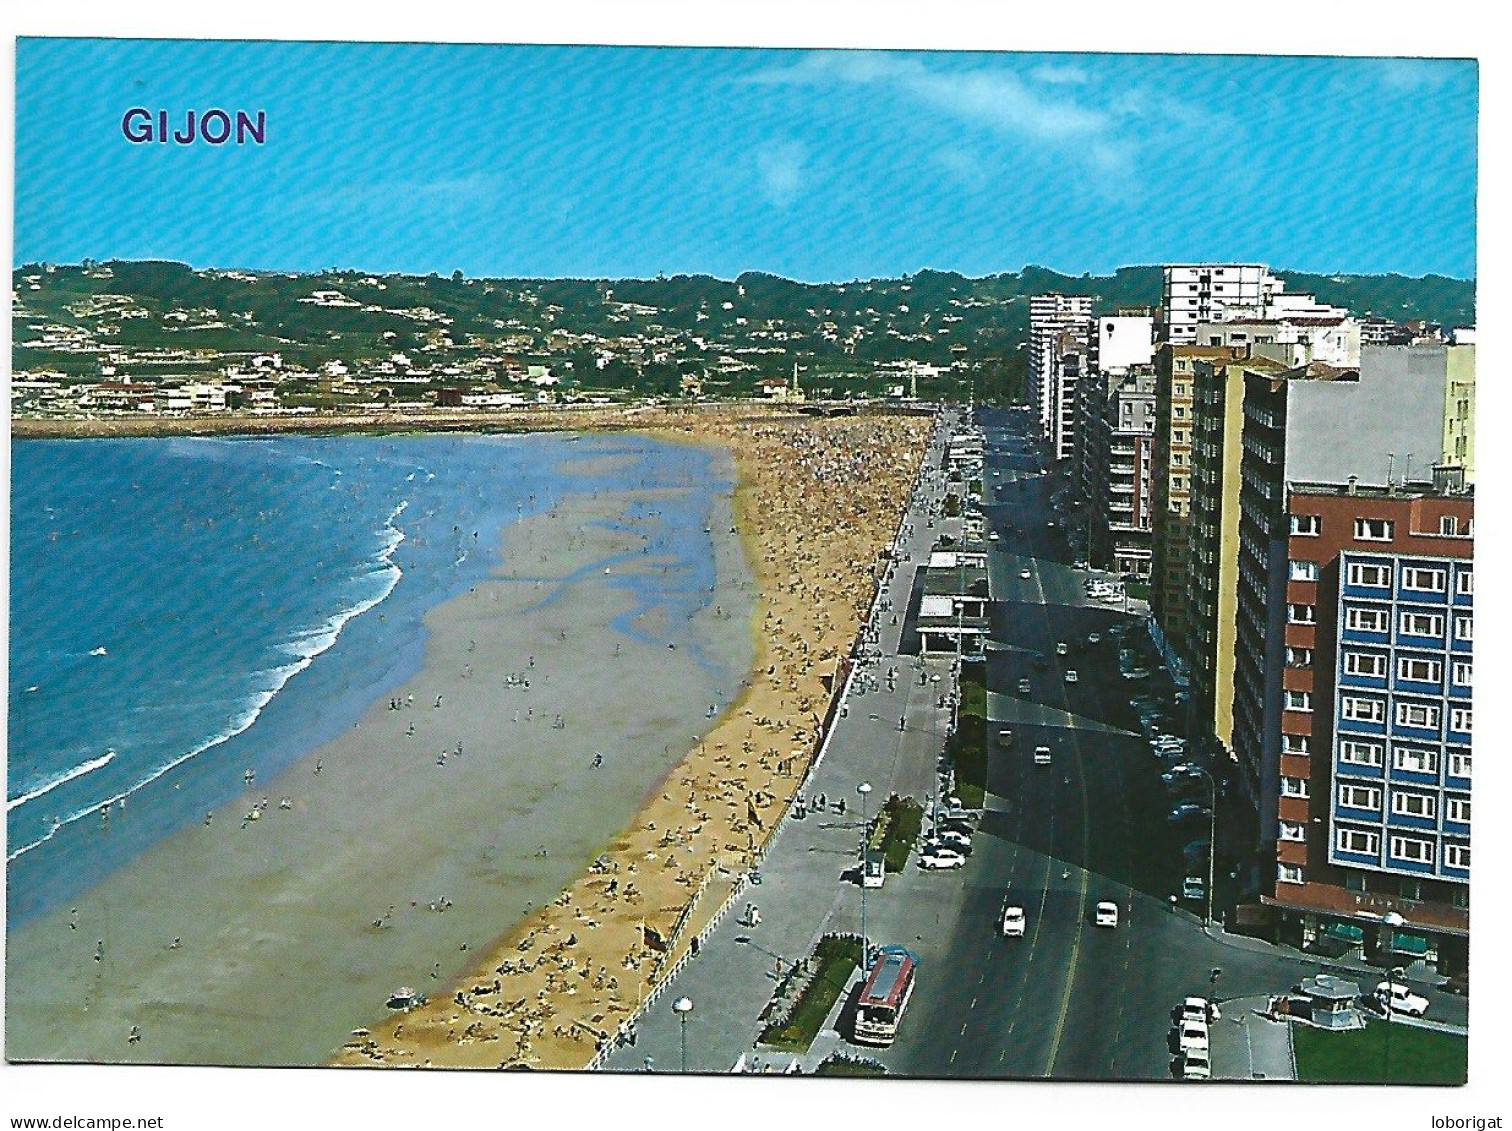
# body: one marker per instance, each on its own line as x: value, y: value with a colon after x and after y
x: 895, y: 831
x: 1418, y: 1056
x: 968, y: 750
x: 833, y: 960
x: 838, y: 1064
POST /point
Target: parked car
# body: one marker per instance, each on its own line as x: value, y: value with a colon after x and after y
x: 953, y: 838
x: 1193, y: 887
x: 1071, y: 675
x: 1023, y: 686
x: 1402, y: 999
x: 1137, y: 673
x: 1013, y: 922
x: 1005, y: 736
x: 936, y: 858
x: 1042, y: 755
x: 1195, y: 1065
x: 1026, y: 574
x: 1106, y: 914
x: 1094, y: 638
x: 1196, y: 1009
x: 1060, y: 648
x: 1192, y: 1034
x: 1180, y: 776
x: 1187, y: 810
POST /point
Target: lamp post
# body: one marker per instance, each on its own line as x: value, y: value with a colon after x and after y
x: 1392, y: 920
x: 864, y: 789
x: 682, y: 1007
x: 1212, y: 839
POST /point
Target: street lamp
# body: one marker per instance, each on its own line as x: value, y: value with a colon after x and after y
x: 864, y: 789
x: 682, y: 1007
x: 1392, y: 920
x: 1212, y: 839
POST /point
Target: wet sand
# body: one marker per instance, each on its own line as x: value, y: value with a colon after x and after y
x: 268, y: 941
x: 818, y: 501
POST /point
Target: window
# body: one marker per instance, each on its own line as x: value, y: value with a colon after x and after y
x: 1366, y: 620
x: 1414, y: 804
x: 1423, y: 580
x: 1301, y: 614
x: 1457, y: 809
x: 1296, y: 744
x: 1459, y: 719
x: 1358, y: 840
x: 1289, y: 873
x: 1464, y: 582
x: 1411, y: 889
x: 1291, y: 830
x: 1422, y: 624
x: 1299, y: 701
x: 1460, y: 896
x: 1422, y: 715
x: 1423, y: 671
x: 1456, y: 856
x: 1293, y: 787
x: 1355, y: 881
x: 1412, y: 849
x: 1306, y: 524
x: 1356, y: 753
x: 1366, y: 573
x: 1362, y: 710
x: 1369, y: 664
x: 1359, y: 797
x: 1299, y: 657
x: 1464, y: 627
x: 1374, y: 529
x: 1459, y: 765
x: 1303, y: 571
x: 1415, y: 761
x: 1448, y: 524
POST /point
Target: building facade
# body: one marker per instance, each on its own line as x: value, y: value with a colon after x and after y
x: 1059, y: 343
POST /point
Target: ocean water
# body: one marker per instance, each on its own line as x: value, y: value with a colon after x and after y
x: 184, y: 611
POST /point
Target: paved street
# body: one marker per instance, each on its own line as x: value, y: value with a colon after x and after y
x: 1069, y: 1000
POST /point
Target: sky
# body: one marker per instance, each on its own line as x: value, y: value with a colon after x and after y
x: 820, y: 165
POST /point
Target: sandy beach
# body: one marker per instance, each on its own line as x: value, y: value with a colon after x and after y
x: 531, y: 858
x: 400, y: 855
x: 817, y: 503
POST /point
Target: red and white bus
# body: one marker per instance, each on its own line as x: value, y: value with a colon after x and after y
x: 889, y: 984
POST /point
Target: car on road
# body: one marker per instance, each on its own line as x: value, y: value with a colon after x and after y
x: 1193, y: 888
x: 1191, y: 1034
x: 1023, y: 686
x: 1196, y: 1009
x: 1187, y: 810
x: 1402, y: 999
x: 1195, y: 1065
x: 1071, y: 676
x: 1137, y: 673
x: 993, y: 537
x: 1094, y: 638
x: 1042, y: 755
x: 1106, y: 914
x: 1180, y: 774
x: 1060, y: 648
x: 1013, y: 922
x: 1005, y: 736
x: 1026, y: 574
x: 935, y: 858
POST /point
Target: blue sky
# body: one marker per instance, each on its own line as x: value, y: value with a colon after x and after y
x: 817, y: 165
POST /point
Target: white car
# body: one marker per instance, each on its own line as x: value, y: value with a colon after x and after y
x: 1071, y: 675
x: 1191, y: 1034
x: 993, y: 537
x: 1193, y: 887
x: 955, y: 841
x: 1198, y: 1009
x: 1195, y: 1065
x: 1094, y: 638
x: 1061, y: 648
x: 1013, y: 922
x: 1023, y: 686
x: 1026, y: 574
x: 1402, y: 999
x: 1107, y: 914
x: 934, y: 859
x: 1042, y: 755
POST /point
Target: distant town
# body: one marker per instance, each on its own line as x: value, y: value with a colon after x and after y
x: 160, y: 339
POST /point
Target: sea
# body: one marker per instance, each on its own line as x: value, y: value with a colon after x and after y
x: 189, y: 612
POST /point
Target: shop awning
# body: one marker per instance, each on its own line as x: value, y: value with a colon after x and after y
x: 1346, y: 932
x: 1409, y: 944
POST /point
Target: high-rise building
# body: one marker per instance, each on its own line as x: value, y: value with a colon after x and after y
x: 1208, y: 293
x: 1453, y: 368
x: 1059, y: 341
x: 1121, y: 432
x: 1372, y: 817
x: 1310, y: 425
x: 1171, y: 482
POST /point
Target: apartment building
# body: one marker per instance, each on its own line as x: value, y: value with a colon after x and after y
x: 1372, y: 818
x: 1059, y: 343
x: 1120, y: 504
x: 1208, y: 293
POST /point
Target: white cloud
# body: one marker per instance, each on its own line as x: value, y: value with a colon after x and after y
x: 781, y: 169
x: 1060, y: 76
x: 1414, y: 74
